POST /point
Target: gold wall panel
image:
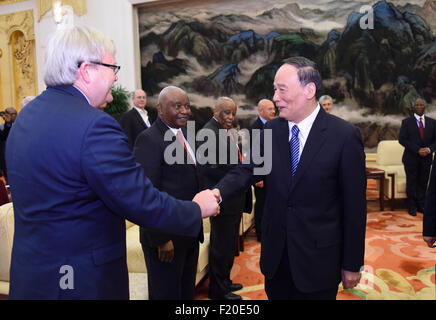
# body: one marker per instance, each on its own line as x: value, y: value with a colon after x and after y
x: 43, y: 6
x: 18, y: 77
x: 9, y: 1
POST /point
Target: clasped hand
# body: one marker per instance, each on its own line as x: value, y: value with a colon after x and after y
x: 208, y: 200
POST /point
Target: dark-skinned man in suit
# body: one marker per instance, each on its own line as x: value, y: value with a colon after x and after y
x: 171, y: 260
x: 418, y: 136
x: 313, y: 231
x: 224, y: 232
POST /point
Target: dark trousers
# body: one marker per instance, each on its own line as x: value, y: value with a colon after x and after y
x: 175, y: 280
x: 224, y: 231
x: 258, y: 209
x: 416, y: 183
x: 282, y: 286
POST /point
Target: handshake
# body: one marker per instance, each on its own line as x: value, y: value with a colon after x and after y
x: 209, y: 201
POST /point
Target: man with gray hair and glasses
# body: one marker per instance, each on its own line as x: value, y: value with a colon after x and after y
x: 74, y: 181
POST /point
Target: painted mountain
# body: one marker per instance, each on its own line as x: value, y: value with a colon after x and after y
x: 375, y: 57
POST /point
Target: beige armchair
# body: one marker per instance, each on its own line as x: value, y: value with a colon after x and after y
x: 389, y: 158
x: 6, y: 239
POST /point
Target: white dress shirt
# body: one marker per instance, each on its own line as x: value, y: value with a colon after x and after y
x: 417, y: 119
x: 304, y: 126
x: 173, y: 130
x: 144, y: 115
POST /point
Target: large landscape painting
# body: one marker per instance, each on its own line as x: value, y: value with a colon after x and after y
x: 375, y: 57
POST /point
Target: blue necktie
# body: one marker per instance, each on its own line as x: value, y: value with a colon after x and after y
x: 295, y: 149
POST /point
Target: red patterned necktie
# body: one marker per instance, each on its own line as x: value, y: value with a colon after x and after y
x: 421, y: 128
x: 182, y: 141
x: 233, y: 139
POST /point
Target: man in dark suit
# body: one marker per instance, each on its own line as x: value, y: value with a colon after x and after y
x: 136, y: 119
x: 171, y: 260
x: 225, y: 230
x: 73, y: 194
x: 429, y: 223
x: 9, y: 115
x: 313, y: 230
x: 267, y: 112
x: 418, y: 136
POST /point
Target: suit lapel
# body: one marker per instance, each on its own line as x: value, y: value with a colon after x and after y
x: 139, y: 119
x: 314, y: 142
x: 427, y: 128
x: 284, y: 151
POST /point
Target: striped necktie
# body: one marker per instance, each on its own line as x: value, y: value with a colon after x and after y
x: 421, y: 128
x: 295, y: 149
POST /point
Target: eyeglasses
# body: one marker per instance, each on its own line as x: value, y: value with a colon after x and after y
x: 114, y: 68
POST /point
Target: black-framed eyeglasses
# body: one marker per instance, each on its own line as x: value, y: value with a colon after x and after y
x: 114, y: 67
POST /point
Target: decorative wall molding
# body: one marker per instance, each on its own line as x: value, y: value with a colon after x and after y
x: 9, y: 1
x: 18, y: 60
x: 23, y: 21
x: 43, y: 6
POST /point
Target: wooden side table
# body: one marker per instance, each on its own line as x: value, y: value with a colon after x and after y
x: 378, y: 174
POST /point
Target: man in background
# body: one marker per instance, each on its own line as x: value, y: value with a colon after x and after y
x: 418, y: 136
x: 9, y: 116
x: 171, y: 259
x: 326, y: 103
x: 25, y: 101
x: 225, y: 230
x: 136, y: 119
x: 74, y: 181
x: 267, y: 112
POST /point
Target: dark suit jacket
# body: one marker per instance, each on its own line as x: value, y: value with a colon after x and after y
x: 132, y: 124
x: 320, y: 214
x: 178, y: 180
x: 74, y: 181
x: 410, y: 138
x: 429, y: 224
x: 258, y: 124
x: 212, y: 173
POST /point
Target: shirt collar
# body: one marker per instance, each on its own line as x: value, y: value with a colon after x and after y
x: 417, y: 117
x: 262, y: 119
x: 82, y: 94
x: 141, y: 110
x: 305, y: 125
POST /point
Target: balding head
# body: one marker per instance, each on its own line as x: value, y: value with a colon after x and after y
x: 225, y: 111
x: 139, y: 99
x: 266, y: 109
x: 173, y: 107
x: 10, y: 115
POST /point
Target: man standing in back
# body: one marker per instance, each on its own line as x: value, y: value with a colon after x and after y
x: 136, y: 119
x: 267, y: 112
x: 418, y: 136
x: 224, y: 232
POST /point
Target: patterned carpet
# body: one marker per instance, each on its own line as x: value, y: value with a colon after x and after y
x: 398, y: 263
